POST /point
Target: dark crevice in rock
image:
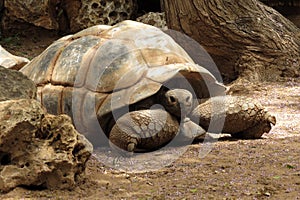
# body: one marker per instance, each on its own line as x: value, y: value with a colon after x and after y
x: 148, y: 6
x: 5, y: 158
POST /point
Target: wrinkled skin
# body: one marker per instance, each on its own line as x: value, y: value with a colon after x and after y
x: 152, y: 128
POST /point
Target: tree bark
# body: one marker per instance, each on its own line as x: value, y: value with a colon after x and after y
x: 246, y: 38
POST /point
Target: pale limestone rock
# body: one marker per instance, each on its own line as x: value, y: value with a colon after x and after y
x: 86, y: 13
x: 155, y: 19
x: 40, y: 13
x: 15, y: 85
x: 11, y: 61
x: 39, y: 149
x: 67, y: 15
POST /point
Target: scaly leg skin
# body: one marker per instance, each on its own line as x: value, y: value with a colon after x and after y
x: 143, y: 130
x: 189, y: 130
x: 254, y: 132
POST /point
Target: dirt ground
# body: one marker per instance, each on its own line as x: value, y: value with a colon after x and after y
x: 267, y: 168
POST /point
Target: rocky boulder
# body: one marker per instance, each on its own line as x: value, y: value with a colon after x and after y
x: 67, y: 15
x: 15, y: 85
x: 155, y: 19
x: 86, y: 13
x: 10, y: 61
x: 38, y: 149
x: 40, y: 13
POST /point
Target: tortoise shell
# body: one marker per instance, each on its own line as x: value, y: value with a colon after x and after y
x: 104, y: 68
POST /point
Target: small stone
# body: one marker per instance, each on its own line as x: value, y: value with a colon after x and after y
x: 267, y: 194
x: 248, y: 193
x: 149, y: 183
x: 127, y: 176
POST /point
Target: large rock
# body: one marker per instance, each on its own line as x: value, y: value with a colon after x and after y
x: 15, y: 85
x: 67, y: 15
x: 11, y: 61
x: 38, y: 12
x: 38, y: 149
x: 85, y: 13
x: 155, y: 19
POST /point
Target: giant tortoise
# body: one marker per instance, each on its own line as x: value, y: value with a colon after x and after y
x: 134, y: 85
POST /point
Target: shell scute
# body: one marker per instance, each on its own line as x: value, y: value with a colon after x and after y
x: 157, y: 57
x: 40, y: 68
x: 51, y: 98
x: 69, y: 62
x: 93, y: 30
x: 116, y: 64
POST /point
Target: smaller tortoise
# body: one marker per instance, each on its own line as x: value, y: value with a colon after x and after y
x: 133, y: 84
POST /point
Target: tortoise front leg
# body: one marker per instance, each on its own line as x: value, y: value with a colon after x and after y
x: 190, y: 131
x: 144, y: 129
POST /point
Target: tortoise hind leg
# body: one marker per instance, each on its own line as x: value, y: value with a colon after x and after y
x: 143, y: 130
x: 241, y: 117
x: 254, y: 132
x: 257, y: 130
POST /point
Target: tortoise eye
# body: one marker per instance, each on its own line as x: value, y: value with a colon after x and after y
x: 188, y: 99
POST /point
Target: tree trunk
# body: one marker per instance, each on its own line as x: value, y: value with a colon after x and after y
x: 245, y: 38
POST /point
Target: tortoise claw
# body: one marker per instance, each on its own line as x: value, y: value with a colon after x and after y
x: 131, y: 147
x: 271, y: 119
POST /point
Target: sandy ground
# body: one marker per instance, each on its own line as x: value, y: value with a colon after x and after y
x: 267, y: 168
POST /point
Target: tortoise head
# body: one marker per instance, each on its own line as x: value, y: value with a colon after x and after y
x: 177, y: 102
